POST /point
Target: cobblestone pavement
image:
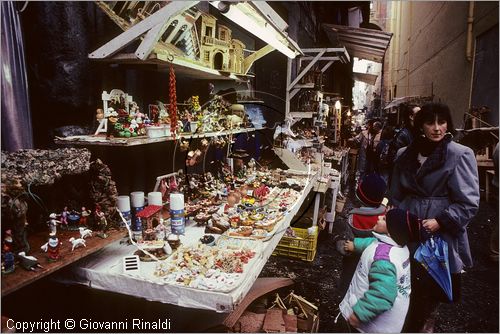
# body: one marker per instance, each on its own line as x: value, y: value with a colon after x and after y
x: 478, y: 312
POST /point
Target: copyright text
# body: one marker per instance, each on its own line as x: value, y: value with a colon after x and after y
x: 47, y: 326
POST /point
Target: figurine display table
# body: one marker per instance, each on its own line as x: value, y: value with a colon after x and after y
x: 104, y: 270
x: 21, y: 277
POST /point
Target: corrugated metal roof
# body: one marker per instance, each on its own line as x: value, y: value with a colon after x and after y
x: 363, y: 43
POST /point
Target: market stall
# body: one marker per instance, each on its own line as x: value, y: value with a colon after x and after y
x: 206, y: 250
x: 105, y: 270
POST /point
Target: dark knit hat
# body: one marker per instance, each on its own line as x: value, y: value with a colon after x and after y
x: 403, y: 226
x: 371, y: 190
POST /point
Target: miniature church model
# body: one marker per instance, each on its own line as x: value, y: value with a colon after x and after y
x: 217, y: 49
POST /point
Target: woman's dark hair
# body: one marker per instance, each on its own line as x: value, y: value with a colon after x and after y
x: 431, y: 111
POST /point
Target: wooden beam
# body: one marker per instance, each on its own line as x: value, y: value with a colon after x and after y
x: 248, y: 61
x: 322, y: 58
x: 148, y: 43
x: 287, y: 90
x: 293, y: 93
x: 128, y: 36
x: 314, y: 50
x: 267, y: 11
x: 306, y: 69
x: 327, y: 65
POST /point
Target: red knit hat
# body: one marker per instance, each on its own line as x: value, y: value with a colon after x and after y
x: 371, y: 190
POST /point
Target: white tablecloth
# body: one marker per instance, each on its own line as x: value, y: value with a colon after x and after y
x: 103, y: 270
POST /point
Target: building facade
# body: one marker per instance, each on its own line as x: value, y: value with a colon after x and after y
x: 447, y: 50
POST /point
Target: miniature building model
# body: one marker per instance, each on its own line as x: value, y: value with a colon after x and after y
x: 217, y: 49
x: 236, y: 56
x: 151, y: 213
x: 182, y: 33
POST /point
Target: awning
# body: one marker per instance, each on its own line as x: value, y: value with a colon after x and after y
x: 365, y: 77
x: 415, y: 99
x: 363, y: 43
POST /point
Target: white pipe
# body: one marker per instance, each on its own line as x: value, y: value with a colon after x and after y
x: 470, y: 21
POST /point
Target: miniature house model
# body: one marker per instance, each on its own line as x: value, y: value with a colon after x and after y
x: 181, y: 32
x: 217, y: 49
x: 151, y: 214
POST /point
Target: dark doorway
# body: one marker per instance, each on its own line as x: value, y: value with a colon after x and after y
x: 218, y: 61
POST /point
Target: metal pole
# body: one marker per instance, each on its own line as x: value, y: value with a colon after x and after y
x: 382, y: 87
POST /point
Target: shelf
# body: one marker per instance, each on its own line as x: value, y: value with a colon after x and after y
x: 304, y: 86
x: 185, y: 67
x: 178, y: 21
x: 103, y: 141
x: 250, y: 101
x: 20, y: 277
x: 313, y: 57
x: 301, y: 114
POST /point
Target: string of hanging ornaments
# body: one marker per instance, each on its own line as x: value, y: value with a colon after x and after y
x: 172, y: 107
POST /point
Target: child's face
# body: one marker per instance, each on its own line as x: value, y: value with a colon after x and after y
x: 381, y: 226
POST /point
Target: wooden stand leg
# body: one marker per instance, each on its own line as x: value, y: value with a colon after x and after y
x: 316, y: 209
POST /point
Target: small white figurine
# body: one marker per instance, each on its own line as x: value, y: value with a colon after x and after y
x: 193, y: 184
x: 138, y: 118
x: 252, y: 164
x: 28, y: 262
x: 160, y: 230
x: 133, y: 124
x: 53, y: 223
x: 77, y: 243
x: 85, y: 232
x: 134, y: 109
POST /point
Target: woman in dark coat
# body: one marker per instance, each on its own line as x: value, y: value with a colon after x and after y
x: 436, y: 179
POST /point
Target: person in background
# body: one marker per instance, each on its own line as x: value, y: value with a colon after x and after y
x: 360, y: 221
x: 404, y: 136
x: 384, y: 162
x: 408, y: 132
x: 366, y: 141
x: 371, y: 149
x: 379, y: 294
x: 436, y: 179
